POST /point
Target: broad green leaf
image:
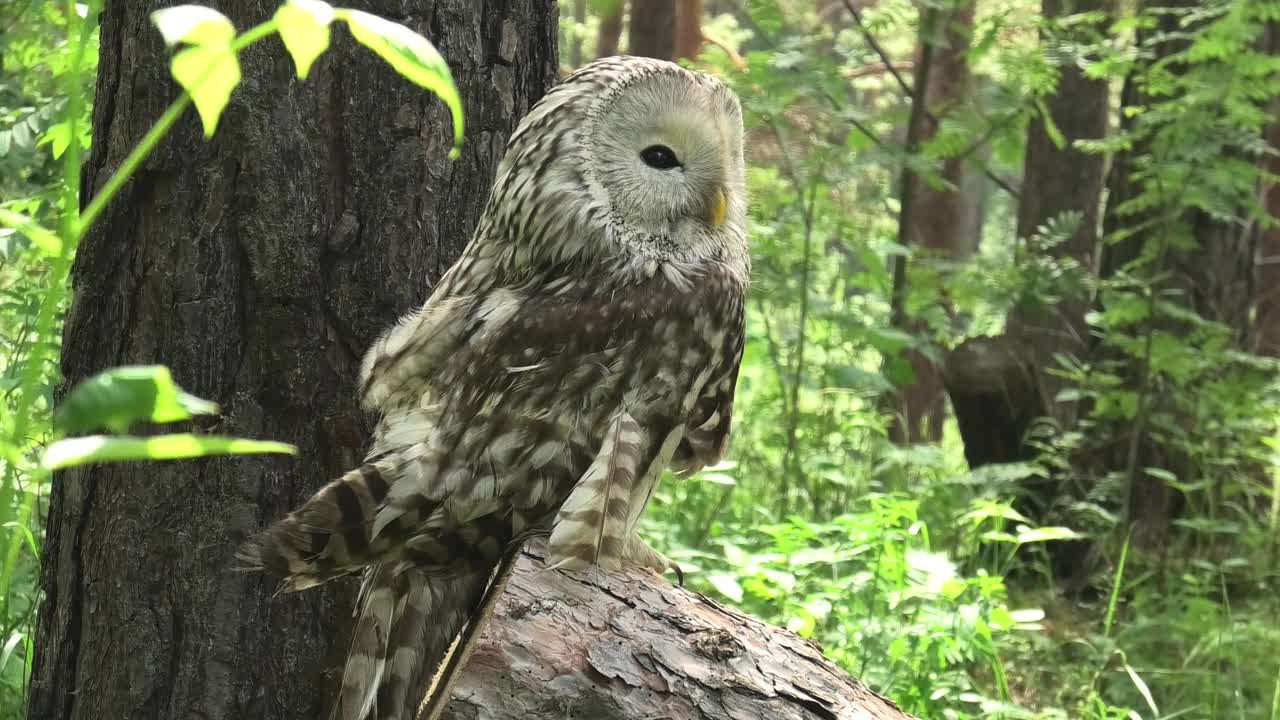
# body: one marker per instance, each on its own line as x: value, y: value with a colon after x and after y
x: 304, y: 28
x: 194, y: 25
x: 413, y: 56
x: 209, y: 73
x: 119, y: 397
x: 42, y: 237
x: 106, y: 448
x: 9, y: 646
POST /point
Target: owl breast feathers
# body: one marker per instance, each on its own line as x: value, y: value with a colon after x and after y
x: 588, y: 338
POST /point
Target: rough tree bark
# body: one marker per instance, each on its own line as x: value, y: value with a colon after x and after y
x: 258, y: 266
x: 652, y: 29
x: 631, y: 646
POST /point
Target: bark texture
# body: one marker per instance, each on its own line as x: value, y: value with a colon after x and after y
x: 629, y: 645
x: 258, y: 266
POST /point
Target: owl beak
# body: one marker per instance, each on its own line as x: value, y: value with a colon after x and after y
x: 717, y: 209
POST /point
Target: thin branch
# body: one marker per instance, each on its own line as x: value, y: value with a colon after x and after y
x: 884, y: 56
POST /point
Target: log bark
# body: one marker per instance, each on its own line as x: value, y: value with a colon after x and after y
x: 258, y: 266
x: 629, y: 645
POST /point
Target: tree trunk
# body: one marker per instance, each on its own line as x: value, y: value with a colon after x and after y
x: 258, y: 266
x: 1000, y: 386
x: 610, y: 33
x: 575, y: 46
x: 934, y: 218
x: 1055, y: 181
x: 1214, y: 279
x: 688, y: 29
x: 628, y: 646
x: 1267, y: 312
x: 653, y: 28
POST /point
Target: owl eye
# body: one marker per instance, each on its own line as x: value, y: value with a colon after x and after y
x: 660, y: 157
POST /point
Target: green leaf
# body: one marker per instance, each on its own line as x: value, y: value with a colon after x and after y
x: 194, y: 25
x: 1050, y: 128
x: 42, y: 237
x: 413, y: 56
x: 59, y: 136
x: 105, y: 448
x: 304, y: 28
x: 727, y: 585
x: 119, y: 397
x: 209, y: 73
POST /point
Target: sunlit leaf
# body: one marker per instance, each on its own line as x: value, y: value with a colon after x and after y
x: 727, y: 585
x: 1045, y: 534
x: 194, y: 25
x: 413, y: 56
x: 119, y: 397
x: 717, y: 478
x: 209, y: 73
x: 304, y: 28
x: 109, y: 448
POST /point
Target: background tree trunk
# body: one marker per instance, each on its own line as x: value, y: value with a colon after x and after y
x: 575, y: 47
x: 610, y: 32
x: 653, y: 29
x: 630, y: 646
x: 258, y: 266
x: 688, y: 29
x: 1215, y: 279
x: 936, y: 216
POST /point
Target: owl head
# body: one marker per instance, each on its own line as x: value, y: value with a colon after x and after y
x: 631, y: 163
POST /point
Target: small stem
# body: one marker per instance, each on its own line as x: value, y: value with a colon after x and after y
x: 153, y: 137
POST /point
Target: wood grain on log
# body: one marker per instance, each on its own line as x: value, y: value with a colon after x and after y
x: 629, y: 645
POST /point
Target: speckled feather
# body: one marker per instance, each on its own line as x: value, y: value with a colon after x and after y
x: 588, y: 338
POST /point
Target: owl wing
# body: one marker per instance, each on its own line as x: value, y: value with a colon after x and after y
x: 706, y: 436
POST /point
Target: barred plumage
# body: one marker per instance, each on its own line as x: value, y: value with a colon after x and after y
x: 588, y: 338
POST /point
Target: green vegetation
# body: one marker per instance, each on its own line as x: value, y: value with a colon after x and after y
x: 940, y: 585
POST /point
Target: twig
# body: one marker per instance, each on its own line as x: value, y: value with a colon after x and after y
x: 884, y: 57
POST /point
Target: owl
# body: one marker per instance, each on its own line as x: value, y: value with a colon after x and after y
x: 587, y: 339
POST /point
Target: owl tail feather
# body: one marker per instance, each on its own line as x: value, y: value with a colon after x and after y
x: 412, y: 621
x: 328, y: 537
